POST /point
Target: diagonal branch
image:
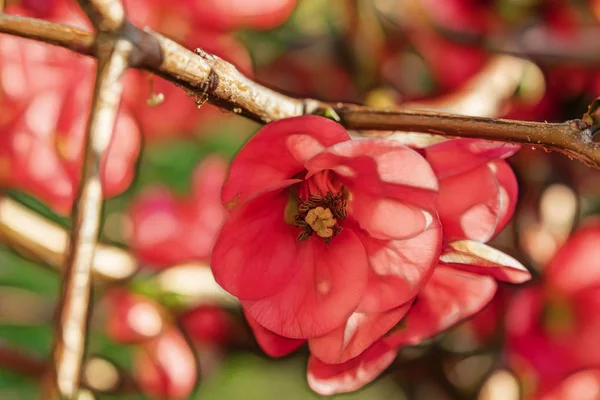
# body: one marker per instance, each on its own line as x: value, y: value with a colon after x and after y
x: 210, y: 78
x: 69, y: 342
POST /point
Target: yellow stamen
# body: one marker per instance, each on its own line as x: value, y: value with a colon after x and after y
x: 321, y: 220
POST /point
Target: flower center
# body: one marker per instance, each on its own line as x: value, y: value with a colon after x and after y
x: 321, y: 205
x: 321, y: 220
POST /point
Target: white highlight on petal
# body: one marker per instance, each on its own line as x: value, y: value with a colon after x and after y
x: 583, y: 385
x: 352, y: 327
x: 352, y: 379
x: 180, y: 361
x: 42, y: 114
x: 428, y: 219
x: 303, y: 147
x: 345, y: 171
x: 470, y: 252
x: 145, y: 319
x: 324, y: 287
x: 471, y: 222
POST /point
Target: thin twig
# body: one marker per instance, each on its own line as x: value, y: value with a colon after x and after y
x: 69, y: 342
x: 573, y: 138
x: 106, y: 15
x: 65, y: 36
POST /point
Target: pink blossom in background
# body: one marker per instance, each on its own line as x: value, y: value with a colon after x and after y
x: 206, y: 324
x: 581, y: 385
x: 228, y: 15
x: 41, y: 150
x: 167, y: 230
x: 131, y: 317
x: 552, y: 328
x: 165, y: 367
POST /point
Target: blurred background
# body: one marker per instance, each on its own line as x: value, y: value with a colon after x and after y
x: 161, y: 327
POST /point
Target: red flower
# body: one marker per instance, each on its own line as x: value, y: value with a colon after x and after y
x: 48, y: 94
x: 464, y: 280
x: 167, y: 231
x: 553, y: 328
x: 328, y: 239
x: 165, y: 368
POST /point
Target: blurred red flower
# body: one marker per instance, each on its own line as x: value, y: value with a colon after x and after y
x: 165, y: 368
x: 48, y: 94
x: 167, y: 230
x: 207, y: 325
x: 131, y: 317
x: 553, y: 327
x: 581, y: 385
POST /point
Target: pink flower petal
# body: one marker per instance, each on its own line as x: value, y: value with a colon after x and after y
x: 469, y: 204
x: 232, y: 15
x: 449, y: 297
x: 508, y: 192
x: 271, y: 343
x: 576, y: 265
x: 268, y: 157
x: 328, y: 379
x: 358, y: 333
x: 377, y: 164
x: 325, y: 292
x: 455, y: 157
x: 399, y: 268
x: 385, y: 218
x: 207, y: 183
x: 581, y: 385
x: 480, y: 258
x: 165, y: 367
x: 256, y: 253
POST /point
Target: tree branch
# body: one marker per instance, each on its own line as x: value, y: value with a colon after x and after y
x: 75, y: 39
x: 210, y: 78
x: 47, y: 242
x: 70, y: 336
